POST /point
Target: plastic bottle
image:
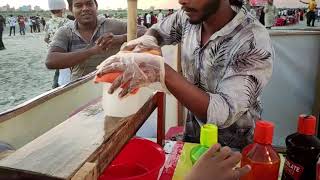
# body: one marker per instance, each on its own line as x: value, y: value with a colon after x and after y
x: 260, y: 155
x: 208, y: 137
x: 303, y: 150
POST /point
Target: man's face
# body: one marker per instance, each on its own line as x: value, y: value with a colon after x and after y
x: 199, y: 10
x: 85, y: 11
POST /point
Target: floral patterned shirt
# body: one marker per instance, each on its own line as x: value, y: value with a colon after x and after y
x: 53, y: 25
x: 232, y: 67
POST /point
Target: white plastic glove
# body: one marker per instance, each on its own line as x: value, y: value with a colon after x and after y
x: 145, y: 40
x: 138, y: 70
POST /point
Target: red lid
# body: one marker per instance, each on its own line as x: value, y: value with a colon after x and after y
x: 307, y: 125
x: 263, y: 132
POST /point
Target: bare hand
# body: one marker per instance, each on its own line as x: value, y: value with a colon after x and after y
x: 218, y: 164
x: 103, y: 43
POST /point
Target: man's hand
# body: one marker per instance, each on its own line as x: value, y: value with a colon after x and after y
x: 138, y: 70
x: 145, y: 40
x: 106, y: 41
x: 218, y: 164
x: 103, y: 43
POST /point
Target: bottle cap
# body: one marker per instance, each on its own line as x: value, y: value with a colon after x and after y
x: 263, y: 132
x: 307, y: 125
x: 208, y: 135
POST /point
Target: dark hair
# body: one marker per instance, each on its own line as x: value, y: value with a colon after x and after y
x: 55, y: 11
x: 71, y: 1
x: 238, y: 3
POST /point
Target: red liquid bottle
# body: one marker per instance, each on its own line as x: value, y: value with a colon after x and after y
x: 260, y: 155
x: 303, y: 150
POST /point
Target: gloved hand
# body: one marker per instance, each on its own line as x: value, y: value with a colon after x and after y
x: 138, y: 70
x: 145, y: 40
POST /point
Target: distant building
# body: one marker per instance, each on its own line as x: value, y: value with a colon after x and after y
x: 25, y: 8
x: 37, y: 8
x: 5, y: 8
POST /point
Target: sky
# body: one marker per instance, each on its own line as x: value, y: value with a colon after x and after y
x: 143, y: 4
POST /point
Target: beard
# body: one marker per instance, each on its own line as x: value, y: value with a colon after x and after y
x: 209, y: 9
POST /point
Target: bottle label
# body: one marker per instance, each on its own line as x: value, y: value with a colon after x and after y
x: 292, y: 169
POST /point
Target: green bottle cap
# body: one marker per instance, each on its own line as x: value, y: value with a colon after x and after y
x: 208, y: 135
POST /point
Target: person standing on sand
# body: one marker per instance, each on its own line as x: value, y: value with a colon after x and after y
x: 30, y: 24
x: 270, y: 14
x: 57, y: 8
x: 12, y: 23
x: 22, y: 25
x: 43, y: 22
x: 2, y: 25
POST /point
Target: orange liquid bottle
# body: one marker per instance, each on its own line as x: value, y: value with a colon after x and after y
x: 260, y: 155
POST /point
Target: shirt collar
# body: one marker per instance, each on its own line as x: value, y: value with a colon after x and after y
x: 235, y: 22
x: 229, y: 27
x: 100, y: 22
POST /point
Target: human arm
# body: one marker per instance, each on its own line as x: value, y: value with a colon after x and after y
x: 59, y: 57
x: 236, y: 93
x: 303, y: 2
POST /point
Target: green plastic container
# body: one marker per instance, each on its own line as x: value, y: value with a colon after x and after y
x: 208, y: 137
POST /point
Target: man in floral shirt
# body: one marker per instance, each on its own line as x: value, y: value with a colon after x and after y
x: 226, y: 62
x: 57, y: 7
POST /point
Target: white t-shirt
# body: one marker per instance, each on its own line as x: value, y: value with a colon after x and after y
x: 160, y: 16
x: 64, y: 76
x: 12, y: 21
x: 148, y: 19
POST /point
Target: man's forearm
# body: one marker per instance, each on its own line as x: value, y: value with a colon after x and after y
x: 61, y: 60
x: 195, y: 99
x: 155, y: 34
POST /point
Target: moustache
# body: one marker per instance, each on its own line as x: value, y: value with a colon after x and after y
x: 187, y: 9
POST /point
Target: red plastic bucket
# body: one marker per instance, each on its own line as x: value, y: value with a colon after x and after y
x: 140, y: 159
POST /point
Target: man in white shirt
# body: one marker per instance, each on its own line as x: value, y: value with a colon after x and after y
x: 12, y: 23
x: 160, y: 16
x: 148, y: 20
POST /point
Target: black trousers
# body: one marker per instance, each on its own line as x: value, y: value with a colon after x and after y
x: 55, y: 79
x: 1, y: 42
x: 311, y: 17
x: 14, y: 30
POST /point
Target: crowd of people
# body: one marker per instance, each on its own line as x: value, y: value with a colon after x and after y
x: 269, y: 15
x: 149, y: 19
x: 35, y: 23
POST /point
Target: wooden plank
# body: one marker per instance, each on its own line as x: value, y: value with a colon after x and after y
x: 161, y: 103
x: 132, y: 20
x: 180, y: 107
x: 87, y: 172
x: 85, y: 137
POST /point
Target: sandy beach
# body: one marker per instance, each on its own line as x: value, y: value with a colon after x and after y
x: 23, y: 74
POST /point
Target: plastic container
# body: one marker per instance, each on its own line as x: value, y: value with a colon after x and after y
x: 208, y: 137
x: 260, y: 155
x: 115, y: 107
x: 140, y: 159
x: 303, y: 150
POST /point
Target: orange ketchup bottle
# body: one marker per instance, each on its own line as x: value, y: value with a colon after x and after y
x: 260, y: 155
